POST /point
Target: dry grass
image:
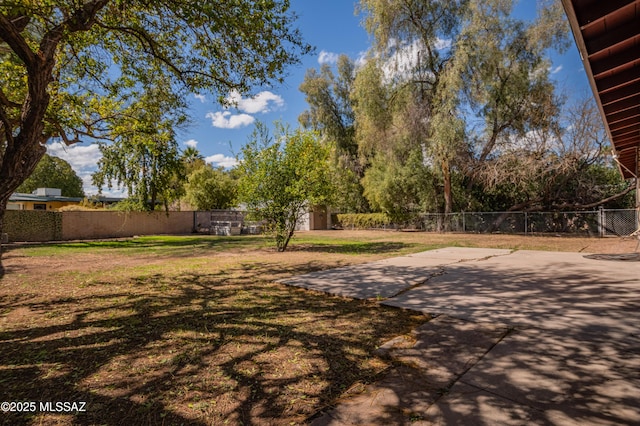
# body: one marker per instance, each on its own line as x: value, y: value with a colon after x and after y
x: 196, y: 331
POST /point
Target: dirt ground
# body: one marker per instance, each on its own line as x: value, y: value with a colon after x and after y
x: 202, y: 334
x: 13, y: 260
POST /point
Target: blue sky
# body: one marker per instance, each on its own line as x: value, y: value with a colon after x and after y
x: 333, y: 28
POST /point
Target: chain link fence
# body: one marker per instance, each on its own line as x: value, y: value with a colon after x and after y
x: 595, y: 223
x: 619, y: 222
x: 586, y: 223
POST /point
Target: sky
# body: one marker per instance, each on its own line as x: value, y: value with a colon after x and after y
x: 333, y: 28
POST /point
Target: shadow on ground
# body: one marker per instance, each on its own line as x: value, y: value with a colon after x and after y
x: 150, y: 244
x: 352, y: 247
x: 193, y: 349
x: 572, y: 354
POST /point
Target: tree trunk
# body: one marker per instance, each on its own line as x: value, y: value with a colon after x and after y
x: 23, y: 151
x: 17, y: 165
x: 3, y: 206
x: 448, y: 198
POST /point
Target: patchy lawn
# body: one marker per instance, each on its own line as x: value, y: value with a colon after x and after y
x: 183, y: 331
x: 193, y: 330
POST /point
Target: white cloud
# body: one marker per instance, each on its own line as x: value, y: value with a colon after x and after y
x: 404, y: 61
x: 555, y: 70
x: 192, y: 143
x: 201, y: 98
x: 81, y: 157
x: 221, y: 160
x: 263, y: 102
x: 362, y: 59
x: 327, y: 57
x: 226, y: 120
x: 404, y: 58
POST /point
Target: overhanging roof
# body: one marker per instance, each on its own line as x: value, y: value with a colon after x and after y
x: 17, y: 196
x: 607, y: 33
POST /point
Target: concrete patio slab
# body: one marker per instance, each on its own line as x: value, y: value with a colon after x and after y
x: 519, y: 338
x: 388, y: 277
x: 554, y: 379
x: 462, y: 253
x: 536, y: 289
x: 584, y: 372
x: 444, y: 349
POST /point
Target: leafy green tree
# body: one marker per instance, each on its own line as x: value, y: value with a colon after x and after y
x: 331, y: 113
x: 444, y: 59
x: 499, y: 76
x: 144, y: 157
x: 424, y: 25
x: 208, y: 188
x: 67, y: 66
x: 282, y: 177
x: 192, y: 159
x: 147, y: 166
x: 53, y: 172
x: 400, y: 189
x: 330, y: 107
x: 397, y: 182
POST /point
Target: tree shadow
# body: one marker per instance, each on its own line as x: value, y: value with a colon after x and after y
x: 193, y: 349
x: 156, y: 243
x: 355, y: 247
x: 573, y: 354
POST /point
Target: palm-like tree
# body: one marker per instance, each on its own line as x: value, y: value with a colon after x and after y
x: 192, y: 159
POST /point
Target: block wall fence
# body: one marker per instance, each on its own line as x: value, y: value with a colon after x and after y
x: 36, y: 226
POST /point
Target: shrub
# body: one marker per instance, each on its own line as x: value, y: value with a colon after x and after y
x: 364, y: 220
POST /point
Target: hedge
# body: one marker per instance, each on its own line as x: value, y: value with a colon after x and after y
x: 30, y: 225
x: 363, y: 220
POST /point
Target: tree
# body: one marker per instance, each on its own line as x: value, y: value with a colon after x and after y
x: 146, y: 165
x: 282, y: 177
x: 192, y: 159
x: 144, y: 156
x: 499, y: 76
x: 400, y: 189
x: 563, y: 169
x: 67, y: 66
x: 445, y: 59
x: 208, y: 188
x: 53, y: 172
x: 400, y: 179
x: 330, y: 107
x: 331, y: 113
x: 399, y: 27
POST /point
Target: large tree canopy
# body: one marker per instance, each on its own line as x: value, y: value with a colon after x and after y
x: 331, y: 113
x: 446, y: 64
x: 70, y: 67
x: 54, y: 172
x: 144, y: 156
x: 209, y: 188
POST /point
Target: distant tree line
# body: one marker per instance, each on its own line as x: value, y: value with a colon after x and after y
x: 453, y: 109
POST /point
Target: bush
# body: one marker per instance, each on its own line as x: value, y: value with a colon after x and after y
x: 364, y: 220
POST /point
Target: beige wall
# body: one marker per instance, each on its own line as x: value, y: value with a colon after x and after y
x: 78, y: 225
x: 29, y: 225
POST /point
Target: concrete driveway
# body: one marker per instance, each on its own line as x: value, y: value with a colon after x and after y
x: 517, y: 338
